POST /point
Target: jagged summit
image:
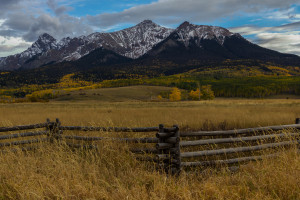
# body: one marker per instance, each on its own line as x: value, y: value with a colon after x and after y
x: 132, y: 42
x: 44, y: 43
x: 187, y: 31
x: 46, y: 35
x: 183, y: 25
x: 147, y: 22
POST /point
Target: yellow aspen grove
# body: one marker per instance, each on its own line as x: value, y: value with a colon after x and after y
x: 194, y: 94
x: 175, y: 95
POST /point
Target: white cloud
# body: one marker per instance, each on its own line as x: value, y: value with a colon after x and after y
x: 250, y: 30
x: 285, y: 39
x: 288, y: 42
x: 12, y: 45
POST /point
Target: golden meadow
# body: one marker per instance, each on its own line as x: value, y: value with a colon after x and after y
x: 56, y: 172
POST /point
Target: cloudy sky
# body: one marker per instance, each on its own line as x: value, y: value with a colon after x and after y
x: 274, y: 24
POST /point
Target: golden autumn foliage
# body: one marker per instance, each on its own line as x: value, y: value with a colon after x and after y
x: 159, y: 97
x: 206, y: 93
x: 175, y: 94
x: 43, y: 95
x: 68, y: 81
x: 194, y: 94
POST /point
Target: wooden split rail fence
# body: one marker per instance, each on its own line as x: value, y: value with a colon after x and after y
x: 171, y: 149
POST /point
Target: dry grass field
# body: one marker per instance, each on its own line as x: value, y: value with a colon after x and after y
x: 216, y: 114
x: 56, y: 172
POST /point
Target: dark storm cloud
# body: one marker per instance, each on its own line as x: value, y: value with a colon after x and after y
x: 19, y: 21
x: 58, y: 27
x: 7, y: 6
x: 8, y: 3
x: 8, y: 33
x: 176, y: 11
x: 58, y: 10
x: 30, y: 25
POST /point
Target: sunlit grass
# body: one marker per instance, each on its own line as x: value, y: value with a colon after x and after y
x: 56, y: 172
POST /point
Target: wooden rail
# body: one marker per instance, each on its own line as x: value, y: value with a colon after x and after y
x: 237, y: 137
x: 236, y: 140
x: 237, y: 149
x: 133, y: 140
x: 5, y: 144
x: 239, y: 131
x: 109, y: 129
x: 17, y: 135
x: 26, y: 127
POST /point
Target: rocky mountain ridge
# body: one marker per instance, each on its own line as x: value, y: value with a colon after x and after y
x: 147, y: 44
x: 131, y: 42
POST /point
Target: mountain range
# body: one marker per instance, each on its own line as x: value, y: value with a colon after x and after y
x: 146, y: 48
x: 131, y: 42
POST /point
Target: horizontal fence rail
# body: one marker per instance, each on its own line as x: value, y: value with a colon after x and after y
x: 237, y: 149
x: 240, y: 131
x: 25, y: 127
x: 113, y: 129
x: 5, y: 144
x: 235, y: 140
x: 134, y: 140
x: 18, y: 135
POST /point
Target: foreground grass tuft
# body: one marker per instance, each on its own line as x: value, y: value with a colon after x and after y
x: 57, y: 172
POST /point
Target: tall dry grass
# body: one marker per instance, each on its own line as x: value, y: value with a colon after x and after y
x: 56, y: 172
x: 224, y: 114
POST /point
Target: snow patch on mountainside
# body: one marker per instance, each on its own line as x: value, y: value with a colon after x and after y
x: 45, y: 43
x: 187, y: 31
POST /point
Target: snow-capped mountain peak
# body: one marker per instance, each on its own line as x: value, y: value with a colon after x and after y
x: 187, y: 31
x: 131, y: 42
x: 44, y: 43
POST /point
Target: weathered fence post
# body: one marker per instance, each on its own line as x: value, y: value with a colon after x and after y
x: 57, y: 132
x: 177, y: 156
x: 50, y: 129
x: 54, y: 130
x: 297, y: 120
x: 169, y: 150
x: 159, y: 149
